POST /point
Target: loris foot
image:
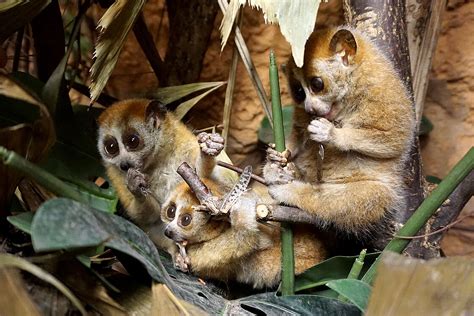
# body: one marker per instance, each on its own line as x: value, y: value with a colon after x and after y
x: 211, y: 144
x: 137, y: 182
x: 278, y: 170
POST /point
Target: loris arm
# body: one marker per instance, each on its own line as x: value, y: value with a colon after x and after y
x: 211, y: 145
x: 369, y: 141
x: 358, y: 204
x: 238, y: 241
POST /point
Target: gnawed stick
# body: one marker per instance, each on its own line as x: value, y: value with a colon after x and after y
x: 287, y: 214
x: 240, y: 170
x: 190, y: 176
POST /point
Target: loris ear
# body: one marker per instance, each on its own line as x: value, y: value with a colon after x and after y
x: 155, y: 112
x: 344, y: 44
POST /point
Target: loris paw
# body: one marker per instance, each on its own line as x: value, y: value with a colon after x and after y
x: 276, y: 174
x: 137, y: 182
x: 211, y: 144
x: 181, y: 263
x: 321, y: 130
x: 276, y: 157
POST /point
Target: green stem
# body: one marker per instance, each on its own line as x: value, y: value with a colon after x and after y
x: 287, y: 253
x: 426, y: 209
x: 44, y: 178
x: 355, y: 270
x: 357, y: 266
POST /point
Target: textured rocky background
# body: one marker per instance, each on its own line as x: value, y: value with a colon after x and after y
x: 449, y: 104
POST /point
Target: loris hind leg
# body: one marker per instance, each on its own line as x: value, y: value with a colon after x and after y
x: 351, y: 207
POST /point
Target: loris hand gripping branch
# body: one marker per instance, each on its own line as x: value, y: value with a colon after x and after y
x: 350, y: 99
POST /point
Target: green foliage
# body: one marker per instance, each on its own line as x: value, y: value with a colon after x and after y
x: 357, y: 292
x: 334, y: 268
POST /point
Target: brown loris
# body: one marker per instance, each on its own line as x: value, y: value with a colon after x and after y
x: 236, y: 247
x: 350, y: 99
x: 141, y: 145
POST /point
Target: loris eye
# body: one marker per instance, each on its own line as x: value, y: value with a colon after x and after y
x: 298, y: 93
x: 317, y: 84
x: 171, y: 211
x: 185, y: 220
x: 111, y: 146
x: 132, y: 141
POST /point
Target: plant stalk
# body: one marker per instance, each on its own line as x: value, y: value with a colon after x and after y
x: 287, y: 253
x: 427, y: 208
x: 44, y: 178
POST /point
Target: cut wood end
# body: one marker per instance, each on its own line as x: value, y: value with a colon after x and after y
x: 262, y: 211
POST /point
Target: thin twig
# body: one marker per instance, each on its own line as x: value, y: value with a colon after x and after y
x: 240, y: 170
x: 18, y: 44
x: 438, y: 230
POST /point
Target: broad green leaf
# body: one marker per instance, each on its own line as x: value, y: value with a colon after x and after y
x: 22, y: 221
x: 17, y: 13
x: 265, y: 133
x: 26, y: 128
x: 66, y: 224
x: 7, y: 260
x: 270, y: 304
x: 357, y: 292
x: 114, y: 27
x: 167, y: 95
x: 184, y: 107
x: 331, y: 269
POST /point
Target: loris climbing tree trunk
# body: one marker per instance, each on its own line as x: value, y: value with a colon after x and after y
x: 385, y: 22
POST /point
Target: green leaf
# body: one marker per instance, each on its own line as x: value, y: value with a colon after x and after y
x: 22, y: 221
x: 66, y: 224
x: 184, y: 107
x: 7, y: 260
x: 357, y: 292
x: 265, y: 133
x: 17, y: 13
x: 170, y: 94
x: 331, y: 269
x: 270, y: 304
x: 425, y: 126
x: 114, y: 25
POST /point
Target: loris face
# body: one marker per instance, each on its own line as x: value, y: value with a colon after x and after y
x: 324, y: 80
x: 128, y: 132
x: 184, y: 223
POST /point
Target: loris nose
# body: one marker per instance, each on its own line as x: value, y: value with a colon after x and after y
x: 169, y: 233
x: 124, y: 166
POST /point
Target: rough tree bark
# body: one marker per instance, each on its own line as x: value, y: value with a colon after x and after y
x: 191, y: 24
x: 385, y: 22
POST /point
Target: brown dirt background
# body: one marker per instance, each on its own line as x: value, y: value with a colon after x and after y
x: 449, y: 104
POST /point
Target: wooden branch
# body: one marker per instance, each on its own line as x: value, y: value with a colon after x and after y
x: 424, y: 24
x: 190, y: 176
x: 286, y: 214
x: 429, y: 247
x: 147, y: 44
x: 240, y: 170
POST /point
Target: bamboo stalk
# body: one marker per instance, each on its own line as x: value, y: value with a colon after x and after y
x: 44, y: 178
x: 287, y: 253
x: 426, y: 209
